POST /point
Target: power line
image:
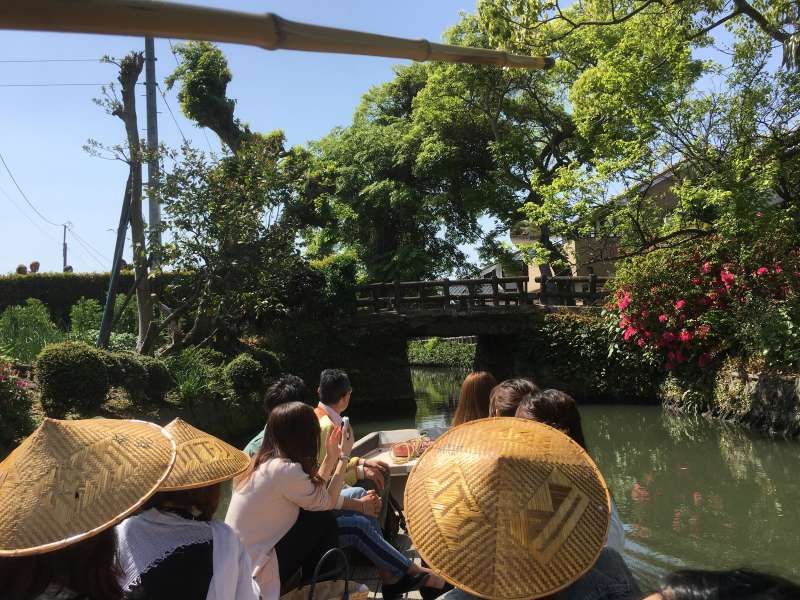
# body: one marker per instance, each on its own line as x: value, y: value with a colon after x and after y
x: 20, y: 85
x: 27, y: 216
x: 99, y: 256
x: 49, y: 60
x: 171, y: 114
x: 36, y: 210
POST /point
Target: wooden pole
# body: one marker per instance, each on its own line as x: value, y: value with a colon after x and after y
x: 268, y: 31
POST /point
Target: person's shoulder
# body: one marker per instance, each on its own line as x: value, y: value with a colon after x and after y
x: 254, y: 444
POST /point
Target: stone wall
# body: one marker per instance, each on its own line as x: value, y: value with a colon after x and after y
x: 768, y: 402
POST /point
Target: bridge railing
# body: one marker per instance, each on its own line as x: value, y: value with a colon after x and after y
x: 466, y: 294
x: 444, y: 293
x: 567, y: 289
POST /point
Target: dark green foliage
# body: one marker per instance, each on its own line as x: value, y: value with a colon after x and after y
x: 72, y: 377
x: 158, y: 378
x: 60, y: 291
x: 244, y: 374
x: 25, y: 330
x: 583, y: 355
x: 340, y: 280
x: 128, y: 373
x: 15, y: 407
x: 117, y: 342
x: 269, y: 360
x: 438, y: 352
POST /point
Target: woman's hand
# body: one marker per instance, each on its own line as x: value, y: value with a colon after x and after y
x: 347, y: 441
x: 332, y: 446
x: 370, y: 504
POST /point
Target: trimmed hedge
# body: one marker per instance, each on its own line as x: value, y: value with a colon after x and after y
x: 71, y: 377
x: 60, y: 291
x: 441, y: 352
x: 159, y: 380
x: 244, y: 374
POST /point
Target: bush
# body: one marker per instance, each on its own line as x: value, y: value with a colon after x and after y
x: 440, y: 352
x: 71, y: 377
x: 128, y: 319
x: 15, y: 408
x: 244, y: 374
x: 340, y: 280
x: 692, y: 306
x: 197, y: 374
x: 85, y: 315
x: 158, y: 378
x: 269, y: 361
x: 582, y: 355
x: 128, y: 372
x: 25, y: 330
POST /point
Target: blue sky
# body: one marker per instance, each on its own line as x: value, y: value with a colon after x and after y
x: 42, y: 129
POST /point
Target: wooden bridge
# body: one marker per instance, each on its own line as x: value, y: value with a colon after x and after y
x: 467, y: 295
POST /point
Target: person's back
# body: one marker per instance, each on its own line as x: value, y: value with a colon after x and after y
x: 738, y: 584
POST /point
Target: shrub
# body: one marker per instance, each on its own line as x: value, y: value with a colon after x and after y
x: 129, y: 373
x: 158, y: 378
x: 692, y: 306
x: 127, y: 318
x: 244, y: 374
x: 15, y: 408
x: 582, y: 355
x: 340, y: 280
x: 441, y: 353
x: 25, y: 330
x: 269, y: 361
x: 197, y: 373
x: 85, y: 315
x: 72, y: 377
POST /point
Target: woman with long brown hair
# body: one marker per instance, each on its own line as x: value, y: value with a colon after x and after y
x: 508, y: 395
x: 283, y: 478
x: 473, y: 399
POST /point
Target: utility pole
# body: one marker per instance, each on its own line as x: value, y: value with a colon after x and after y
x: 154, y: 208
x: 64, y: 248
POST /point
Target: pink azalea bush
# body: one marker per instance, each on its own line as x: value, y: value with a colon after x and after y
x: 687, y: 307
x: 15, y: 407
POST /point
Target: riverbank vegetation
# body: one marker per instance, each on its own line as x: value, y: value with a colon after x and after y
x: 442, y: 352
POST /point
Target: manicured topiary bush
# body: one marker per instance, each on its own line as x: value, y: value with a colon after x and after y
x: 72, y: 377
x: 129, y: 373
x: 159, y: 380
x: 269, y: 361
x: 244, y: 374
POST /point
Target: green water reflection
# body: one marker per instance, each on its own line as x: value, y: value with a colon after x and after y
x: 692, y: 493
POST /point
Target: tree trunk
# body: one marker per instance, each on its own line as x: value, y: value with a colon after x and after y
x: 129, y: 70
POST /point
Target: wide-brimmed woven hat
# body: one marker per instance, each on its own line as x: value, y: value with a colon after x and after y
x: 202, y: 459
x: 70, y: 480
x: 507, y: 508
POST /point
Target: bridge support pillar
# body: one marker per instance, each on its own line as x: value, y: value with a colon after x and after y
x: 495, y: 353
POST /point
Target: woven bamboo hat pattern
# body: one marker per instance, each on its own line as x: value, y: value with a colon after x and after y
x: 507, y: 508
x: 70, y: 480
x: 202, y: 459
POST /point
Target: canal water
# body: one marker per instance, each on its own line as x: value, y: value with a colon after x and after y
x: 691, y: 493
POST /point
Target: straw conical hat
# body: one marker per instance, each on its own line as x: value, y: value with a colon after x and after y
x: 507, y: 508
x: 70, y: 480
x: 202, y: 459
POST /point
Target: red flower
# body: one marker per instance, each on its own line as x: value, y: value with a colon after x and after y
x: 706, y: 268
x: 624, y: 300
x: 680, y: 304
x: 685, y: 336
x: 662, y: 318
x: 703, y: 330
x: 624, y: 323
x: 645, y: 314
x: 696, y: 281
x: 668, y: 337
x: 727, y: 278
x: 680, y: 356
x: 778, y: 268
x: 704, y: 360
x: 641, y: 343
x: 629, y: 333
x: 762, y: 271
